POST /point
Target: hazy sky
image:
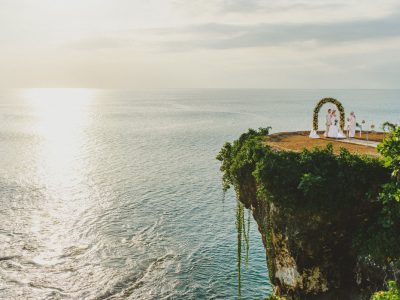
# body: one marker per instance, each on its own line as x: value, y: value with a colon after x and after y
x: 200, y: 43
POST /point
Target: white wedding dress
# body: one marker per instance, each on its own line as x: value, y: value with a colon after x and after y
x: 341, y: 135
x: 333, y: 128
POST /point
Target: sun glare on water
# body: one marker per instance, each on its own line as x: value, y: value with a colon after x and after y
x: 60, y: 118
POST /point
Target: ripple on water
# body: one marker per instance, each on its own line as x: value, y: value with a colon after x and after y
x: 118, y: 195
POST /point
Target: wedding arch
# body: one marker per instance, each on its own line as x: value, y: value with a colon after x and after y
x: 318, y: 108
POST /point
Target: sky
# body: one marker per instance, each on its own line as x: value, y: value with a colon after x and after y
x: 200, y: 43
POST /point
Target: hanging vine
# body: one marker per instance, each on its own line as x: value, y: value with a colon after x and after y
x: 230, y: 164
x: 247, y: 238
x: 239, y: 227
x: 243, y: 233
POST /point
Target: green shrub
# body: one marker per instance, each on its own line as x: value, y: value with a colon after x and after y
x: 320, y: 181
x: 392, y: 294
x: 387, y: 126
x: 339, y: 187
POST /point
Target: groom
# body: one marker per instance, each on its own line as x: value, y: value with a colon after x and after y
x: 328, y: 122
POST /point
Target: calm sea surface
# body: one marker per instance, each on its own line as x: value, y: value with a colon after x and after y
x: 117, y: 194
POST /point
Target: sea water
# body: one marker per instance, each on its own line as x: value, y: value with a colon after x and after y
x: 114, y: 194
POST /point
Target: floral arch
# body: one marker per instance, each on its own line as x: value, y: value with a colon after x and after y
x: 318, y: 108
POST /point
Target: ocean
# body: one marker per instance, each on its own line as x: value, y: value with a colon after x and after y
x: 116, y: 194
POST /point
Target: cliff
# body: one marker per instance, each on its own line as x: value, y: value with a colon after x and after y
x: 326, y: 230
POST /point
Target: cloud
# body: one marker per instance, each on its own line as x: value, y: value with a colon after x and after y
x: 210, y: 43
x: 99, y: 43
x: 254, y: 6
x: 232, y: 36
x: 241, y: 6
x: 239, y: 11
x: 262, y: 6
x: 226, y: 36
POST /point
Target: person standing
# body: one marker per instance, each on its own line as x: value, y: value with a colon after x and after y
x: 328, y: 122
x: 352, y: 125
x: 333, y: 127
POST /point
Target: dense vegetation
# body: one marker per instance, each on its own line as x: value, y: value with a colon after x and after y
x: 318, y: 180
x: 384, y: 241
x: 392, y: 294
x: 242, y: 229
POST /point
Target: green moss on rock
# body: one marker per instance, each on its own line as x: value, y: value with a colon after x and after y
x: 323, y: 222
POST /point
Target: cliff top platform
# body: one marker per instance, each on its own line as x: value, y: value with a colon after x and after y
x: 297, y: 141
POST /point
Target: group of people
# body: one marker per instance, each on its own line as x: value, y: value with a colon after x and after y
x: 332, y: 125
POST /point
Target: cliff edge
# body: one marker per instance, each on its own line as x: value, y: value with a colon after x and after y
x: 329, y: 220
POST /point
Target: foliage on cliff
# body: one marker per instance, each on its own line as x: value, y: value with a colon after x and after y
x: 392, y: 294
x: 242, y: 167
x: 320, y: 181
x: 239, y: 158
x: 384, y: 238
x: 306, y: 180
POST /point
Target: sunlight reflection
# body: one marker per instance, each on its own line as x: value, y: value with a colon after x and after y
x: 61, y: 118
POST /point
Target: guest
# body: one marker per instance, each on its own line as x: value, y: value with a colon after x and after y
x: 352, y: 125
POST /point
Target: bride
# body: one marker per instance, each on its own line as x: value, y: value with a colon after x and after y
x: 334, y: 131
x: 333, y: 128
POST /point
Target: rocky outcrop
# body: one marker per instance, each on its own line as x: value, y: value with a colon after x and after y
x: 310, y: 254
x: 329, y: 220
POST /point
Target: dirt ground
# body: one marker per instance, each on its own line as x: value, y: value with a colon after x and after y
x: 297, y: 141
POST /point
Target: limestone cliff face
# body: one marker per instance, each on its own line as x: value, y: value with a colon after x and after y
x: 310, y: 255
x: 329, y: 220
